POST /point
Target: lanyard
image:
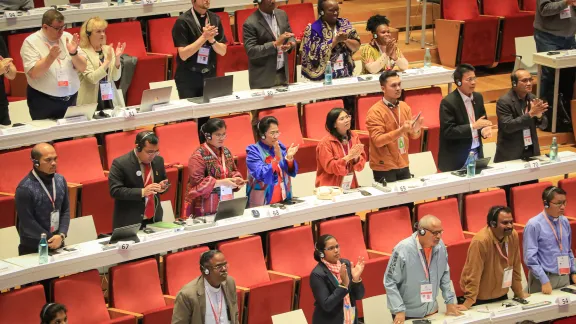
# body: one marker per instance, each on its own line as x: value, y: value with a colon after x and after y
x: 425, y: 265
x: 559, y: 241
x: 58, y: 58
x: 216, y: 316
x: 52, y: 200
x: 502, y: 254
x: 470, y: 112
x: 198, y: 22
x: 342, y: 147
x: 221, y: 163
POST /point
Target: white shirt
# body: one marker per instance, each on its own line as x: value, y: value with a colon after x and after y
x: 273, y: 24
x: 34, y: 48
x: 215, y: 295
x: 471, y: 117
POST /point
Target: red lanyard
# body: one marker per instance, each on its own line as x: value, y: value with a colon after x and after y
x: 559, y: 241
x: 425, y: 265
x: 52, y: 200
x: 502, y: 254
x: 221, y: 163
x: 216, y: 316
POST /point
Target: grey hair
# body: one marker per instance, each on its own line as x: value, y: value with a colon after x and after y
x: 427, y: 221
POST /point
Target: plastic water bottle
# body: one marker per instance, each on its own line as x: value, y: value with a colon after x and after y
x: 120, y: 2
x: 427, y: 59
x: 471, y: 167
x: 328, y: 74
x: 43, y: 249
x: 554, y: 150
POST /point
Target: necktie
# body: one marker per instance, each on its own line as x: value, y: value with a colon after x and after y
x: 149, y: 209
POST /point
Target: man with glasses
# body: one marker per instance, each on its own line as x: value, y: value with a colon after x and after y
x: 493, y: 264
x: 136, y: 180
x: 463, y: 122
x: 211, y: 297
x: 547, y: 245
x: 417, y: 268
x: 52, y: 63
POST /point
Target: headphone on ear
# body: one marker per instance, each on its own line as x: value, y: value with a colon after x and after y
x: 88, y: 33
x: 514, y: 79
x: 421, y: 231
x: 320, y: 253
x: 375, y: 35
x: 458, y: 83
x: 45, y: 309
x: 321, y: 12
x: 208, y: 136
x: 494, y: 216
x: 36, y: 163
x: 206, y: 270
x: 262, y: 135
x: 140, y: 143
x: 548, y: 196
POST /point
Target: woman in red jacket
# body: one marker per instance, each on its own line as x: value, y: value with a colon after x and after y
x: 339, y: 154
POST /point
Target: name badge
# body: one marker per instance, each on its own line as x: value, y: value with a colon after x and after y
x: 507, y: 278
x: 203, y: 54
x: 401, y: 145
x: 226, y: 193
x: 566, y: 13
x: 339, y: 65
x: 106, y: 91
x: 426, y: 293
x: 347, y: 181
x: 62, y: 78
x: 527, y: 137
x: 279, y: 59
x: 54, y: 221
x: 563, y: 265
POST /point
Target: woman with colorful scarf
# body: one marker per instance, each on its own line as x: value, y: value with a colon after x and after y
x: 382, y: 53
x: 336, y: 284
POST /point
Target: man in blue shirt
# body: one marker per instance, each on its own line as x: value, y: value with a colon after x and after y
x: 547, y: 239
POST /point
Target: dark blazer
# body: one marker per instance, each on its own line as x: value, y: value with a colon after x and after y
x: 455, y: 134
x: 329, y: 297
x: 126, y: 189
x: 511, y: 124
x: 258, y: 41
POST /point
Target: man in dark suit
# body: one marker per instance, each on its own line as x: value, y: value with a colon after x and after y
x: 519, y: 113
x: 136, y: 178
x: 268, y: 39
x: 462, y: 122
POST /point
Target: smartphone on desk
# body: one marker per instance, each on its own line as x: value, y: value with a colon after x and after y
x: 568, y: 290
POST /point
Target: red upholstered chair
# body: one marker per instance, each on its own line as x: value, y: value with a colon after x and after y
x: 569, y: 185
x: 235, y: 59
x: 462, y: 28
x: 240, y: 135
x: 427, y: 101
x: 16, y: 165
x: 516, y: 23
x: 456, y: 260
x: 526, y: 201
x: 433, y: 144
x: 291, y: 251
x: 291, y: 133
x: 16, y: 89
x: 529, y: 5
x: 14, y: 43
x: 160, y: 39
x: 476, y: 207
x: 38, y: 3
x: 180, y: 268
x: 269, y: 293
x: 22, y: 305
x: 314, y: 117
x: 7, y: 211
x: 150, y: 67
x: 135, y: 287
x: 240, y: 17
x: 386, y: 228
x: 348, y: 233
x: 299, y: 16
x: 225, y: 19
x: 81, y: 293
x: 447, y: 211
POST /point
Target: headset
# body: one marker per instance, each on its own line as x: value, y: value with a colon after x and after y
x: 320, y: 253
x: 140, y: 143
x: 88, y: 33
x: 208, y: 136
x: 45, y: 309
x: 321, y: 12
x: 514, y: 79
x: 205, y: 270
x: 262, y: 135
x: 494, y: 216
x: 421, y: 231
x: 375, y: 36
x: 548, y: 195
x: 36, y: 163
x: 392, y: 106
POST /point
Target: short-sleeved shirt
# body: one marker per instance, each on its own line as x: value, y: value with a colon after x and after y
x: 36, y: 47
x: 186, y: 32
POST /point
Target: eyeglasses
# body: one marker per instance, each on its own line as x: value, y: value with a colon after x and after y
x: 435, y: 233
x: 345, y: 118
x: 506, y: 223
x: 275, y: 133
x: 527, y: 80
x: 155, y: 153
x: 220, y: 136
x: 220, y: 267
x: 471, y: 79
x: 58, y: 29
x: 332, y: 248
x: 560, y: 203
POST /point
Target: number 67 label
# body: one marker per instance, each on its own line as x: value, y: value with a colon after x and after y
x: 124, y: 245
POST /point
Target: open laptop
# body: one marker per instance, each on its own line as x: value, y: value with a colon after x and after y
x: 214, y: 88
x: 125, y: 233
x: 82, y: 110
x: 226, y: 209
x: 481, y: 164
x: 153, y: 97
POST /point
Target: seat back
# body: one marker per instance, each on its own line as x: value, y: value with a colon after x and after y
x: 246, y: 260
x: 240, y: 17
x: 19, y: 112
x: 293, y: 317
x: 168, y: 83
x: 291, y: 250
x: 447, y: 211
x: 288, y: 121
x: 489, y: 150
x: 348, y: 233
x: 388, y: 227
x: 131, y: 33
x: 78, y: 168
x: 476, y: 207
x: 314, y: 117
x: 299, y: 16
x: 427, y: 101
x: 235, y: 60
x: 81, y: 229
x: 15, y: 166
x: 22, y: 305
x: 82, y: 295
x: 569, y: 185
x: 9, y: 241
x: 135, y: 286
x: 457, y: 254
x: 526, y: 201
x: 241, y: 80
x: 180, y: 268
x: 459, y: 9
x: 238, y: 128
x: 363, y: 104
x: 157, y: 38
x: 225, y: 19
x: 7, y: 211
x: 501, y: 8
x: 118, y: 144
x: 529, y: 5
x: 376, y: 310
x: 525, y: 47
x: 422, y: 164
x: 14, y: 43
x: 178, y: 141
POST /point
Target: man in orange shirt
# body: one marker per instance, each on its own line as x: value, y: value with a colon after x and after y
x: 391, y: 127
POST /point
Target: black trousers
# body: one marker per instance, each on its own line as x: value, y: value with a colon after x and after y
x: 43, y: 106
x: 488, y: 301
x: 4, y: 115
x: 190, y: 84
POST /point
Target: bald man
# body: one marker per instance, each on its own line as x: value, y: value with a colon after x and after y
x: 417, y: 268
x: 42, y: 202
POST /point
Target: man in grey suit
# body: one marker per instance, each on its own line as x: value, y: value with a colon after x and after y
x: 268, y: 39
